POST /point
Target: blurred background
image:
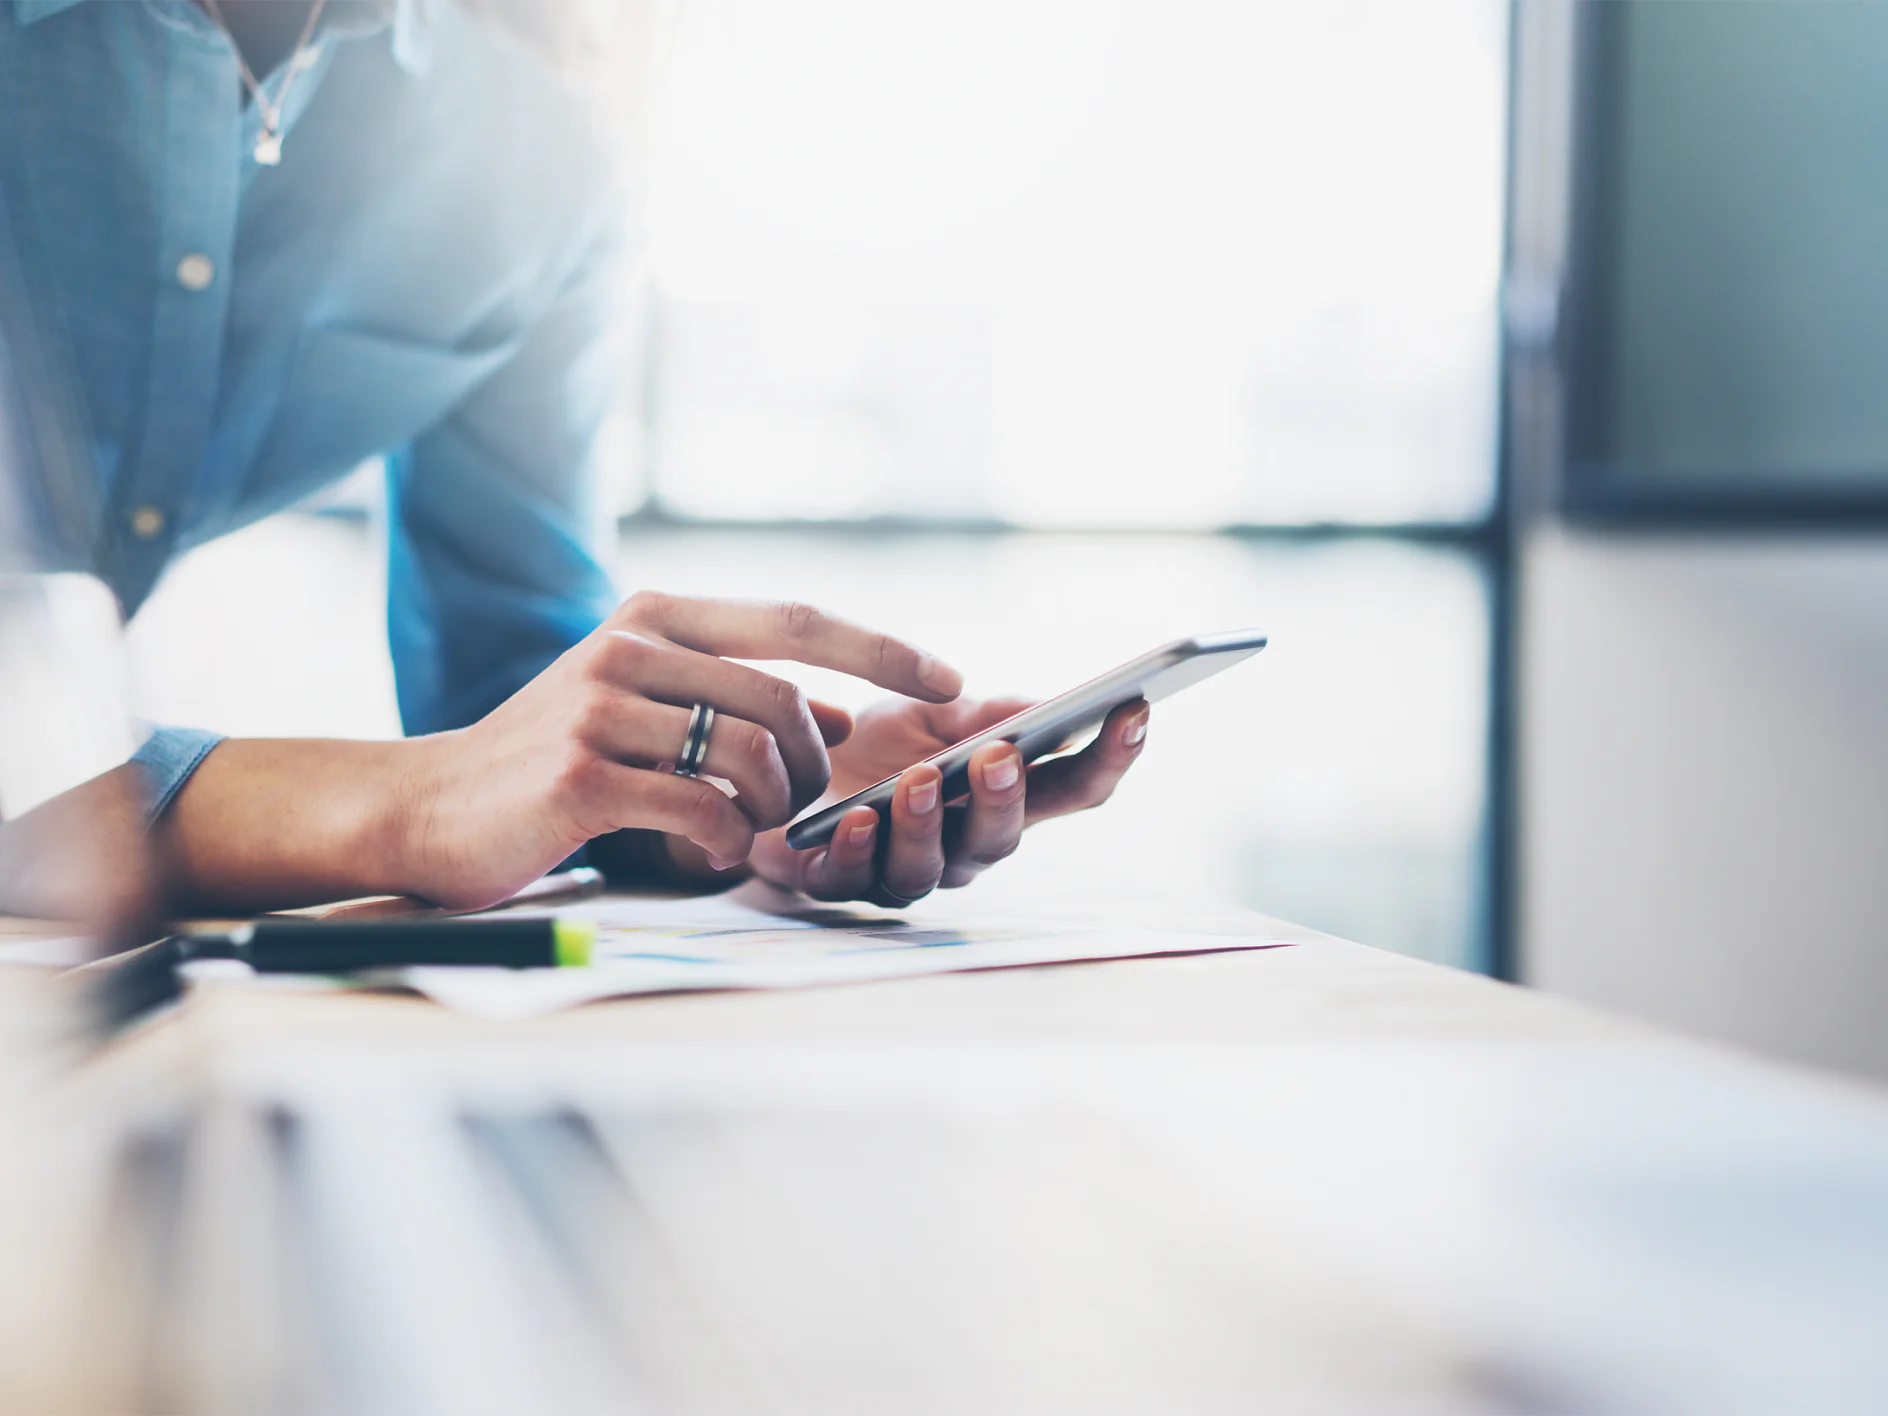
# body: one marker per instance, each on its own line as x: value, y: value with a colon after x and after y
x: 1520, y: 369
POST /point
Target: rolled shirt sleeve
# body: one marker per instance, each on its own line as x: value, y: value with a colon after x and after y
x: 167, y: 758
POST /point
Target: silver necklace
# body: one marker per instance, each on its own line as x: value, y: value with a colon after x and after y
x: 269, y: 135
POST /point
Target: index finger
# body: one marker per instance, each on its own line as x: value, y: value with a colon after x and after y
x: 750, y: 629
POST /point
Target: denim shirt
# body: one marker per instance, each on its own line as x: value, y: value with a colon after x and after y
x: 431, y: 274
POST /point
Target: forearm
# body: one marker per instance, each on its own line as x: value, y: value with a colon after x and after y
x: 277, y: 823
x: 81, y: 856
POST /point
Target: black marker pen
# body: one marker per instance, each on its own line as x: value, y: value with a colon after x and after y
x: 343, y: 946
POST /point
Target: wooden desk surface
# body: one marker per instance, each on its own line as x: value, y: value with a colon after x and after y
x: 1316, y: 1178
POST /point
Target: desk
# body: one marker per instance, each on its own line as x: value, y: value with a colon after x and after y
x: 1315, y: 1178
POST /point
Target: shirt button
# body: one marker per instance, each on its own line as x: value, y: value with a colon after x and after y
x: 195, y: 271
x: 147, y: 522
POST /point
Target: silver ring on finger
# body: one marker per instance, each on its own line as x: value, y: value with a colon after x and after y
x: 695, y: 742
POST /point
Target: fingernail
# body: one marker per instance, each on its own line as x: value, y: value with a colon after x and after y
x: 1135, y: 731
x: 939, y: 676
x: 1001, y: 775
x: 859, y: 835
x: 722, y: 862
x: 921, y: 799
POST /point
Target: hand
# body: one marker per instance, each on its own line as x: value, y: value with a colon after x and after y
x: 584, y: 748
x: 936, y: 843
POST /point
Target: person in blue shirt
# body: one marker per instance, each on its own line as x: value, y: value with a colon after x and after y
x: 254, y: 243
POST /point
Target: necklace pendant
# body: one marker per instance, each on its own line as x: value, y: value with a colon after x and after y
x: 268, y: 147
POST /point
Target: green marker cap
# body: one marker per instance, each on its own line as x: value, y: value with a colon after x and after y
x: 573, y: 941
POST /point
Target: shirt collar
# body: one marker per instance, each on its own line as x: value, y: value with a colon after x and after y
x: 411, y: 21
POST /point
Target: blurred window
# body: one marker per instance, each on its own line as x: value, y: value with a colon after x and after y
x: 1102, y: 264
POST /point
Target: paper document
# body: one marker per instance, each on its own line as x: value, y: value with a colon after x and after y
x: 757, y: 938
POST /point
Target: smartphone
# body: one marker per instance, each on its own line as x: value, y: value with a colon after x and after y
x: 1049, y: 726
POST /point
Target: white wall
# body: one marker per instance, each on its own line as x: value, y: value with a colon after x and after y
x: 1705, y: 785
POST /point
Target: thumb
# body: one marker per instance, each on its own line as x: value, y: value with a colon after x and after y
x: 834, y: 723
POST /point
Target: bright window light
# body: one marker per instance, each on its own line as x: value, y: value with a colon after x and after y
x: 1073, y: 264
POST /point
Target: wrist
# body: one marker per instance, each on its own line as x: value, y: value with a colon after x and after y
x: 399, y: 829
x: 276, y: 823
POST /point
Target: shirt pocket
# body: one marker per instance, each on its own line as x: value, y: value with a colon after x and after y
x: 351, y: 395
